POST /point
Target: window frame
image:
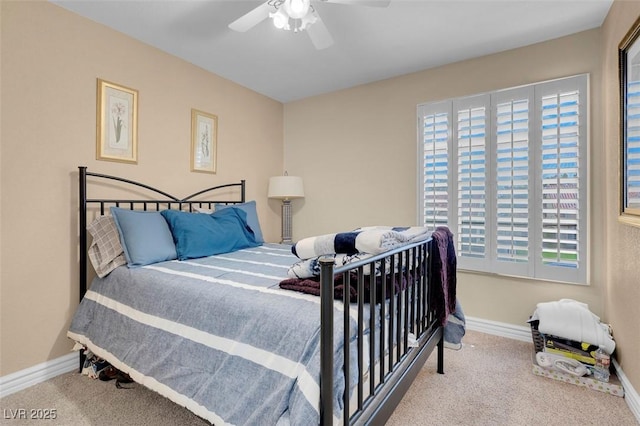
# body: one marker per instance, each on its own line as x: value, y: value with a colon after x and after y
x: 534, y: 267
x: 629, y: 215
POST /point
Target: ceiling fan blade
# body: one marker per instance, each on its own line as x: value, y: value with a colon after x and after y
x: 251, y: 19
x: 371, y: 3
x: 319, y: 33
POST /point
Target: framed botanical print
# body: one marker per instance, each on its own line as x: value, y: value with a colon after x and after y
x: 117, y: 123
x: 204, y: 141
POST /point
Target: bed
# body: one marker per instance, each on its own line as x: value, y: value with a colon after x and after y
x: 220, y: 336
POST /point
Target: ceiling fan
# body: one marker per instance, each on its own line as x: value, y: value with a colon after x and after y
x: 297, y: 15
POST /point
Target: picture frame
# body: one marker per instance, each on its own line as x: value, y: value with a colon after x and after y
x: 204, y: 141
x: 629, y: 68
x: 117, y: 123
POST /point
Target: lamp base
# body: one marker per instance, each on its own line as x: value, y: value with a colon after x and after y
x: 286, y: 222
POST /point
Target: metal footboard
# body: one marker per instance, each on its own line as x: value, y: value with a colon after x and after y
x: 408, y: 332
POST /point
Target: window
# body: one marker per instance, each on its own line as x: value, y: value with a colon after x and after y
x: 507, y: 173
x: 629, y: 63
x: 632, y: 149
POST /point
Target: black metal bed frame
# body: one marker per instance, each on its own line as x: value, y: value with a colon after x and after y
x: 168, y: 202
x: 411, y: 312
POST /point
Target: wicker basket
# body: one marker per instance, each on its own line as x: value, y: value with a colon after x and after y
x: 538, y: 340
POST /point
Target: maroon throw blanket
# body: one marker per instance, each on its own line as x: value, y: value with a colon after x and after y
x: 444, y: 264
x: 312, y: 286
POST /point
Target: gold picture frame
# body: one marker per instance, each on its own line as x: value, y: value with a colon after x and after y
x: 629, y: 68
x: 117, y: 123
x: 204, y: 141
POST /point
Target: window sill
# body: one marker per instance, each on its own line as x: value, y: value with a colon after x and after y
x: 521, y: 278
x: 628, y: 219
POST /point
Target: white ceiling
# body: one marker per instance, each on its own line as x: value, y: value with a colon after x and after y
x: 371, y: 43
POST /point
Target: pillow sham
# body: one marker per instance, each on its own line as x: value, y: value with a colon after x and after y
x: 252, y: 216
x: 145, y: 236
x: 105, y: 251
x: 199, y: 235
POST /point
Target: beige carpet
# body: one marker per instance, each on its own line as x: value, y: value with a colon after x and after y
x: 488, y: 382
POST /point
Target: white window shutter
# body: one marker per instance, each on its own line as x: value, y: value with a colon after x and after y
x: 562, y: 122
x: 471, y: 142
x: 513, y: 165
x: 434, y: 133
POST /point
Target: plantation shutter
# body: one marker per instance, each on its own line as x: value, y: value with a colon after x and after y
x: 434, y: 129
x: 471, y: 143
x: 513, y: 180
x: 507, y: 173
x: 562, y: 184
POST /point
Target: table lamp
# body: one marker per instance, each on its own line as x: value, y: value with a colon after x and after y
x: 286, y: 188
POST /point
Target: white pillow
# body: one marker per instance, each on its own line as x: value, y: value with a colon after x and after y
x: 202, y: 210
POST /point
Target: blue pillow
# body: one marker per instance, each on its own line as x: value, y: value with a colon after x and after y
x: 145, y: 236
x: 199, y: 235
x: 252, y: 217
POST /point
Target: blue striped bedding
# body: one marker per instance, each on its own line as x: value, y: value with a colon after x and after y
x: 216, y: 335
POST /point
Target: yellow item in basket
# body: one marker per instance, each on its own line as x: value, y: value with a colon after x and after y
x: 581, y: 351
x: 582, y: 358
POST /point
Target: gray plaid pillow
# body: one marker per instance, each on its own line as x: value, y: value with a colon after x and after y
x: 105, y: 252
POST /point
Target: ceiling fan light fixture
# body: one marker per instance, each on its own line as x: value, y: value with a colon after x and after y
x: 280, y: 19
x: 296, y: 9
x: 296, y: 15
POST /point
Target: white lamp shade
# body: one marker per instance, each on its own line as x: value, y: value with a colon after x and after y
x: 285, y: 187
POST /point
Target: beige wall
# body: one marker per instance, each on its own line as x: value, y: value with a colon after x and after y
x: 51, y: 59
x: 356, y: 150
x: 623, y: 241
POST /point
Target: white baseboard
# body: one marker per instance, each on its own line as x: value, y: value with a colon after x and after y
x: 524, y: 333
x: 23, y: 379
x: 630, y: 394
x: 516, y: 332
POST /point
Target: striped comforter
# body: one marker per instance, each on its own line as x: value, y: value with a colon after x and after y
x: 215, y: 335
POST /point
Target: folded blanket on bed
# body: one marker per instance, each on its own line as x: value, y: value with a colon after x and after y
x: 312, y: 286
x: 309, y: 268
x: 371, y: 239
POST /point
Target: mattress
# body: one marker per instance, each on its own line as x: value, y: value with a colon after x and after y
x: 217, y: 335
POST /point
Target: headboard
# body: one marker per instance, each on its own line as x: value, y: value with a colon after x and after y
x: 158, y: 200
